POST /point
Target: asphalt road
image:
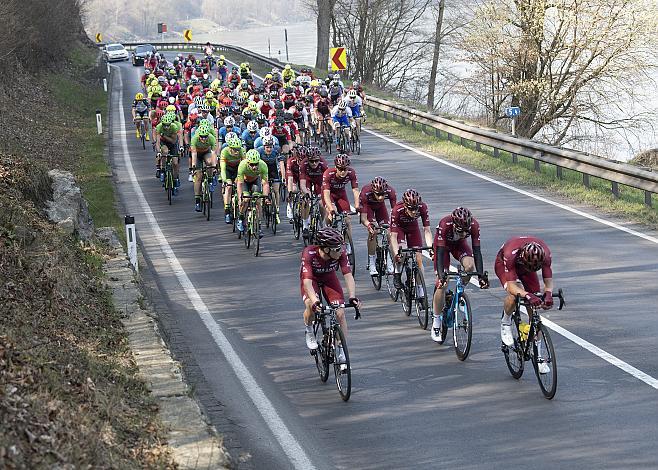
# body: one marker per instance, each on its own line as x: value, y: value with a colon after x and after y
x: 414, y: 405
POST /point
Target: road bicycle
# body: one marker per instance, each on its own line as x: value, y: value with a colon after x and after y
x: 295, y: 200
x: 414, y: 291
x: 343, y: 138
x: 533, y: 343
x: 141, y: 127
x: 169, y: 177
x: 252, y: 222
x: 315, y: 219
x: 339, y: 223
x: 355, y: 137
x: 382, y: 259
x: 271, y: 212
x: 457, y: 313
x: 207, y: 189
x: 331, y: 340
x: 326, y: 135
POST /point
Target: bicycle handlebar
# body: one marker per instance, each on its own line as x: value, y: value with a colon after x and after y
x: 332, y: 307
x: 414, y: 249
x: 460, y: 272
x: 559, y: 295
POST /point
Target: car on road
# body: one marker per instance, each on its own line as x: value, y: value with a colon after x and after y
x: 114, y: 52
x: 140, y: 52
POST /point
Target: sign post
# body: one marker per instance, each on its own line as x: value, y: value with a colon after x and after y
x: 286, y: 36
x: 338, y: 58
x: 513, y: 112
x: 131, y: 237
x: 99, y: 123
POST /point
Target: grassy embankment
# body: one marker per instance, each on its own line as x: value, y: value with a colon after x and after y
x: 70, y: 394
x: 629, y: 205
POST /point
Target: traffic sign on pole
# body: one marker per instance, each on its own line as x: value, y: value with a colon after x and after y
x: 187, y: 34
x: 99, y: 37
x: 338, y: 58
x: 512, y: 111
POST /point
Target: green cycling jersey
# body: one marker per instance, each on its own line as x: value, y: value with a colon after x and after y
x: 201, y: 146
x: 171, y: 131
x: 226, y: 158
x: 246, y: 173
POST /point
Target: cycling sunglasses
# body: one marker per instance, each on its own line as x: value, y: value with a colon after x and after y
x: 333, y: 250
x: 341, y: 169
x: 412, y: 209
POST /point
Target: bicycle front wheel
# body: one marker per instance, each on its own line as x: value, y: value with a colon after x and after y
x: 462, y: 329
x: 342, y: 369
x: 256, y: 233
x: 514, y: 354
x: 422, y: 305
x: 380, y: 265
x: 321, y: 356
x: 544, y: 363
x: 406, y: 293
x: 349, y: 244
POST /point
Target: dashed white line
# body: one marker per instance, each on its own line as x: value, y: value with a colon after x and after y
x: 289, y: 444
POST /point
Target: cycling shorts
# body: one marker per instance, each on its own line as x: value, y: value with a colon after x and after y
x: 202, y: 157
x: 342, y: 120
x: 231, y: 172
x: 379, y: 213
x: 458, y: 250
x: 411, y: 235
x: 330, y: 287
x: 255, y: 186
x: 340, y: 201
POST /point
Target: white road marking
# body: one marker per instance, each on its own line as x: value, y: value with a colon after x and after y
x: 289, y: 444
x: 606, y: 356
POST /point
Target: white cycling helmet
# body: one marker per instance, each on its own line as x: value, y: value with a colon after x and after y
x: 230, y: 135
x: 252, y: 126
x: 264, y: 132
x: 351, y: 94
x: 342, y: 104
x: 229, y: 121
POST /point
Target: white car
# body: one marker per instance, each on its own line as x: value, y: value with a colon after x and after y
x: 116, y: 52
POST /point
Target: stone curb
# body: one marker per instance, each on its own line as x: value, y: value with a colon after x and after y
x: 193, y: 442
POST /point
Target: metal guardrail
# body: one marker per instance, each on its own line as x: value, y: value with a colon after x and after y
x: 589, y: 165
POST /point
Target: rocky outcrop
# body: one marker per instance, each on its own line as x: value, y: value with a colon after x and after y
x: 68, y: 209
x: 648, y: 158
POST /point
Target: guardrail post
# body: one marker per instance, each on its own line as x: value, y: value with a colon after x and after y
x: 558, y: 172
x: 647, y: 198
x: 437, y: 133
x: 478, y: 147
x: 462, y: 142
x: 449, y: 136
x: 537, y: 166
x: 496, y: 152
x: 515, y: 158
x: 413, y: 124
x: 615, y: 189
x: 586, y: 180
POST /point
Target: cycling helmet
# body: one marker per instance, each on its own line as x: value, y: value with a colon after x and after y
x: 167, y: 119
x: 188, y: 63
x: 287, y: 117
x: 337, y: 77
x: 240, y: 100
x: 221, y: 57
x: 170, y: 108
x: 461, y: 219
x: 162, y: 79
x: 205, y: 76
x: 287, y: 67
x: 203, y: 129
x: 139, y: 96
x: 342, y: 105
x: 229, y: 121
x: 253, y: 157
x: 268, y: 76
x: 531, y: 255
x: 299, y: 105
x: 268, y: 141
x: 205, y: 107
x: 328, y: 237
x: 315, y: 151
x: 342, y: 161
x: 194, y: 78
x: 162, y: 104
x: 252, y: 126
x: 159, y: 112
x: 231, y: 135
x: 234, y: 143
x: 253, y: 106
x: 411, y: 199
x: 246, y: 114
x: 172, y: 82
x: 351, y: 94
x: 264, y: 132
x: 209, y: 95
x: 324, y: 93
x: 288, y: 90
x: 278, y: 104
x: 172, y: 100
x: 379, y: 185
x: 198, y: 101
x: 261, y: 119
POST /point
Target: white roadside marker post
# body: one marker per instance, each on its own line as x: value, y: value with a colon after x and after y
x: 131, y: 237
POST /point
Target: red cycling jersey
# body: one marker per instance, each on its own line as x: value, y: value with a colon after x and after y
x: 336, y: 186
x: 375, y: 209
x: 292, y: 169
x: 406, y: 226
x: 323, y: 273
x: 508, y: 268
x: 447, y: 243
x: 313, y: 176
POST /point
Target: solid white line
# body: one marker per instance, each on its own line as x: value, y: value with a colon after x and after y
x: 615, y: 361
x: 520, y: 191
x: 288, y: 443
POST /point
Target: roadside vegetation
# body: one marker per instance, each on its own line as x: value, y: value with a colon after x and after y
x: 70, y: 394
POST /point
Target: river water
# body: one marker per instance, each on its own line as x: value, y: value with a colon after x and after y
x: 270, y: 41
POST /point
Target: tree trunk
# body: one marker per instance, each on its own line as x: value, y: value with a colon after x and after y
x: 325, y: 12
x: 435, y: 56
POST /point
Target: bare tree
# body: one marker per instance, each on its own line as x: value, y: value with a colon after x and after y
x: 325, y: 13
x: 435, y: 53
x: 564, y: 62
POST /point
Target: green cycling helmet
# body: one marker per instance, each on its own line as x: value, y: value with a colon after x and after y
x: 203, y: 129
x: 235, y: 143
x: 253, y: 157
x: 168, y: 118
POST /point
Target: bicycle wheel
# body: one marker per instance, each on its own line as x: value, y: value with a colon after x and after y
x: 256, y: 229
x: 514, y: 354
x: 380, y: 265
x: 349, y: 245
x: 169, y: 185
x: 247, y: 233
x: 321, y: 356
x: 462, y: 329
x: 543, y: 353
x: 406, y: 293
x: 357, y: 144
x: 392, y: 291
x: 342, y: 370
x: 142, y: 136
x: 422, y: 304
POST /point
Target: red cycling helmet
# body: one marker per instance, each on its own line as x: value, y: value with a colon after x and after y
x: 342, y: 161
x: 531, y: 255
x: 411, y: 199
x: 379, y: 185
x: 328, y: 237
x: 462, y: 218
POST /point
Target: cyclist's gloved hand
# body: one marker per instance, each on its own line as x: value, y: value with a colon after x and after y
x: 484, y: 282
x: 268, y: 201
x: 440, y: 282
x: 181, y: 149
x: 548, y: 299
x: 533, y: 299
x: 371, y: 229
x: 355, y: 301
x: 316, y: 306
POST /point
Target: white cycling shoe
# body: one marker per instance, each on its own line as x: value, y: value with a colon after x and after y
x: 289, y: 211
x: 506, y: 334
x: 372, y: 261
x: 543, y: 368
x: 311, y: 342
x: 340, y: 358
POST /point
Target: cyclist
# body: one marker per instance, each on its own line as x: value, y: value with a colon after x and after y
x: 334, y: 195
x: 229, y: 161
x: 341, y: 116
x: 404, y: 228
x: 318, y: 272
x: 281, y: 132
x: 373, y: 213
x: 262, y: 133
x: 288, y: 74
x: 222, y: 69
x: 229, y: 126
x: 450, y: 239
x: 276, y: 168
x: 355, y: 104
x: 203, y: 149
x: 322, y: 107
x: 250, y: 134
x: 311, y: 171
x: 292, y: 174
x: 141, y: 108
x: 188, y: 132
x: 169, y: 133
x: 516, y: 266
x: 252, y: 178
